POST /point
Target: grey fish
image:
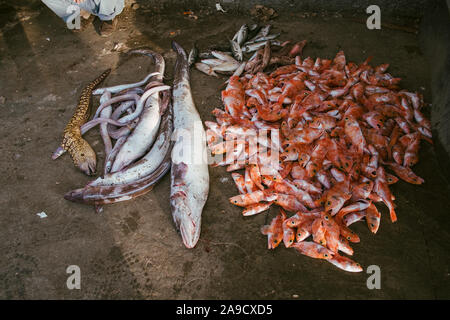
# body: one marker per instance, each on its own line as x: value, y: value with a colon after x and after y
x: 241, y: 35
x: 189, y: 172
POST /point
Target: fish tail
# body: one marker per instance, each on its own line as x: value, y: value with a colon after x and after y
x: 393, y: 215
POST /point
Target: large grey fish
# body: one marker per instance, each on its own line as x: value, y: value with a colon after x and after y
x: 189, y: 173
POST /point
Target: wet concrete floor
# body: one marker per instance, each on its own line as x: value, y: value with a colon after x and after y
x: 131, y: 250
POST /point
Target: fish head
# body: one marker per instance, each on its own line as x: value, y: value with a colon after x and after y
x: 275, y: 239
x: 301, y: 234
x: 288, y: 236
x: 323, y: 253
x: 292, y: 222
x: 333, y: 203
x: 84, y: 158
x: 184, y: 220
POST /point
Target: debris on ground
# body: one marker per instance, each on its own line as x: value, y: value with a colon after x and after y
x: 219, y: 8
x: 262, y: 13
x: 42, y: 215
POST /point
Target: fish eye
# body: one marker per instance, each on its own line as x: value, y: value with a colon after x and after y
x: 372, y: 225
x: 329, y: 203
x: 348, y: 238
x: 292, y: 222
x: 275, y: 241
x: 235, y: 201
x: 326, y: 255
x: 326, y: 218
x: 291, y: 241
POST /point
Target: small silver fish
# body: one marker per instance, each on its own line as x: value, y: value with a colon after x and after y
x: 241, y: 35
x: 252, y: 27
x: 208, y: 54
x: 237, y: 51
x: 263, y: 32
x: 223, y: 55
x: 253, y: 47
x: 265, y: 38
x: 227, y: 66
x: 206, y: 69
x: 212, y: 62
x: 193, y: 55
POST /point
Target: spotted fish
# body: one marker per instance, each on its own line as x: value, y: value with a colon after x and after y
x: 82, y: 154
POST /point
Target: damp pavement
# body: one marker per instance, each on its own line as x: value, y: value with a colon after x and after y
x: 131, y: 250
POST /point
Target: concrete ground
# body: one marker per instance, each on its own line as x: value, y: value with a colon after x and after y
x: 131, y: 250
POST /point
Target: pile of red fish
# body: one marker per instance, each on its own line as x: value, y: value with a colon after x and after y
x: 322, y: 139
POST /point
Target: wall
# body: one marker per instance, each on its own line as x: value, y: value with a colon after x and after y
x: 435, y: 43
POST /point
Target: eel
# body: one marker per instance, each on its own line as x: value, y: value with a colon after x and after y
x: 82, y: 154
x: 148, y: 163
x: 189, y: 171
x: 144, y: 134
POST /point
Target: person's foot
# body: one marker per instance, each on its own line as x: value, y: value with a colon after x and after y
x: 108, y: 27
x: 85, y: 14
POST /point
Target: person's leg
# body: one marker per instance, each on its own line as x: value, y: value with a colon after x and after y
x: 108, y: 9
x: 60, y: 7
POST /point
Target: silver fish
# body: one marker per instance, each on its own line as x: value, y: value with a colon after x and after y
x: 208, y: 54
x: 223, y: 55
x: 189, y: 173
x: 263, y: 32
x: 205, y: 69
x: 212, y: 62
x: 193, y: 55
x: 227, y: 66
x: 258, y: 45
x: 241, y: 35
x: 265, y: 38
x: 237, y: 51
